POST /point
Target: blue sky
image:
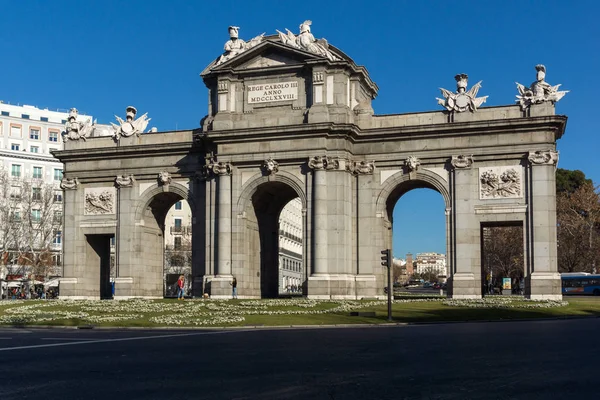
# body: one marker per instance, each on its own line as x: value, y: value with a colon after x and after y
x: 101, y: 56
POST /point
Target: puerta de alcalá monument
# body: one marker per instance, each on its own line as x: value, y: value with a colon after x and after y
x: 291, y: 116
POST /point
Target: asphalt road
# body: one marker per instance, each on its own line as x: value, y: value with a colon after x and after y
x: 504, y: 360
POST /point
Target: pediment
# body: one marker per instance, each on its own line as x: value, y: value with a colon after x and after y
x: 269, y: 60
x: 265, y: 55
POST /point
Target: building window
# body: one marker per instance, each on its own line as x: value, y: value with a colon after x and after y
x: 52, y: 136
x: 44, y: 119
x: 37, y: 173
x: 34, y: 134
x: 177, y: 222
x: 178, y: 205
x: 34, y: 149
x: 177, y: 243
x: 15, y: 171
x: 64, y: 121
x: 36, y: 215
x: 14, y: 146
x: 58, y: 216
x: 58, y: 174
x: 16, y: 215
x: 15, y: 131
x: 25, y: 116
x: 56, y: 259
x: 36, y: 194
x: 5, y: 114
x: 57, y: 237
x: 58, y: 197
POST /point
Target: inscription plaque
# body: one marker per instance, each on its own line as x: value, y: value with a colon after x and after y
x: 271, y: 92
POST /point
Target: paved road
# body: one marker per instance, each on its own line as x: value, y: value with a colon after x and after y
x: 510, y: 360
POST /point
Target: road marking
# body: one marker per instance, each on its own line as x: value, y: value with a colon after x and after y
x: 38, y: 346
x: 57, y: 338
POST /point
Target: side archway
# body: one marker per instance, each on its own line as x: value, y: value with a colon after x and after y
x: 258, y: 257
x: 399, y: 183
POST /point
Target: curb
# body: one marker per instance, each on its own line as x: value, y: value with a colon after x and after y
x: 286, y: 327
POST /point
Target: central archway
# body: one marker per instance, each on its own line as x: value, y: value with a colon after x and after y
x: 263, y: 272
x: 396, y: 186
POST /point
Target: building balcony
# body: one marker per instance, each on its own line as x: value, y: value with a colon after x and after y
x: 181, y: 230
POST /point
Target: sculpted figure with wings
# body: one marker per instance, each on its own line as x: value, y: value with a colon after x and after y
x: 130, y: 126
x: 539, y: 91
x: 462, y: 100
x: 306, y: 41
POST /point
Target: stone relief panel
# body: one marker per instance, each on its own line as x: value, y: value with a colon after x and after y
x: 99, y: 201
x: 501, y: 182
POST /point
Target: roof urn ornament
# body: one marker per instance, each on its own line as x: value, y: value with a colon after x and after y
x: 235, y: 46
x: 462, y: 100
x: 540, y: 91
x: 130, y: 126
x: 75, y: 130
x: 307, y: 42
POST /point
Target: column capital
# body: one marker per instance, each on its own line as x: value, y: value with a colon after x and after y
x: 220, y: 167
x: 361, y: 167
x: 124, y: 181
x: 461, y: 161
x: 543, y: 157
x: 69, y: 183
x: 323, y: 163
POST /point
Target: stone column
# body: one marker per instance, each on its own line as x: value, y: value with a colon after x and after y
x: 465, y: 230
x: 544, y: 282
x: 319, y: 165
x: 367, y: 254
x: 220, y: 284
x: 71, y: 257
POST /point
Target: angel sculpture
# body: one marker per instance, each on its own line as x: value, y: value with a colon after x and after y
x: 462, y: 100
x: 539, y: 91
x: 75, y: 130
x: 130, y: 126
x: 306, y: 41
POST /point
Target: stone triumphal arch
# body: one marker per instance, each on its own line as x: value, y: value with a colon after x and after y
x: 290, y: 117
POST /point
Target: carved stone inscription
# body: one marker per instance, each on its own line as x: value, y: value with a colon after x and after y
x: 99, y: 201
x: 271, y: 92
x: 500, y: 182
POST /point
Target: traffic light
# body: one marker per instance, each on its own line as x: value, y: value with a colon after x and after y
x: 385, y: 258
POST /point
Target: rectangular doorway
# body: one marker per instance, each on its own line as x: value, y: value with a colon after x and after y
x: 99, y: 250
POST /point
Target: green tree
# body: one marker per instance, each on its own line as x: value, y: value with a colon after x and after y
x: 568, y: 181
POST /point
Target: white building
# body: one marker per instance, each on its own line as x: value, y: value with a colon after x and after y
x: 27, y: 136
x: 178, y: 249
x: 427, y: 262
x: 291, y: 266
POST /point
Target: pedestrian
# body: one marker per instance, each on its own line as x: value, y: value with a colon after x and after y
x: 180, y: 283
x: 234, y: 288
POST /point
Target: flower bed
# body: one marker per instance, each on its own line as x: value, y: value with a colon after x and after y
x: 224, y: 312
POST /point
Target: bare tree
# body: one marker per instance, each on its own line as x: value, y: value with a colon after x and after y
x: 503, y: 251
x: 28, y: 224
x: 578, y: 215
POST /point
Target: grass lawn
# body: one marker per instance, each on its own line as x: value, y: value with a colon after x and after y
x: 283, y: 312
